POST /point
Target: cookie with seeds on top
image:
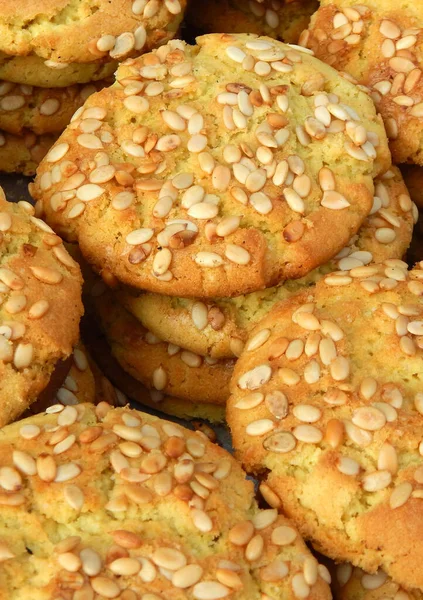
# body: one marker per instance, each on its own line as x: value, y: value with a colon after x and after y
x: 166, y: 369
x: 280, y: 19
x: 352, y: 582
x: 120, y: 384
x: 117, y: 503
x: 379, y: 45
x: 61, y: 32
x: 32, y: 70
x: 41, y: 110
x: 22, y: 154
x: 193, y: 185
x: 40, y: 307
x: 219, y: 328
x: 327, y: 401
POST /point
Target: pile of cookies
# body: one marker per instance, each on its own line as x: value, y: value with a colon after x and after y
x: 53, y: 55
x: 192, y: 191
x: 240, y: 213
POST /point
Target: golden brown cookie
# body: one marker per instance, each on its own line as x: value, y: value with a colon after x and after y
x: 350, y: 582
x: 120, y: 384
x: 281, y: 19
x: 116, y: 503
x: 41, y: 110
x: 327, y: 404
x: 379, y: 44
x: 40, y: 307
x: 194, y: 184
x: 160, y: 366
x: 22, y: 154
x: 32, y: 70
x: 63, y: 32
x: 220, y: 327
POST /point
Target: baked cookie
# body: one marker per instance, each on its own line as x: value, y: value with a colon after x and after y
x: 158, y: 365
x: 281, y: 19
x: 379, y: 44
x: 219, y: 328
x: 350, y: 582
x: 116, y: 503
x: 120, y: 384
x: 62, y: 32
x: 42, y: 110
x: 327, y: 399
x: 196, y: 177
x: 22, y: 154
x: 32, y: 70
x: 40, y: 307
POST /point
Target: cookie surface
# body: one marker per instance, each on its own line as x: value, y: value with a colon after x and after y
x: 40, y: 287
x: 214, y: 201
x: 219, y: 328
x: 32, y: 70
x: 380, y: 45
x: 22, y: 154
x: 281, y: 20
x: 117, y: 503
x: 158, y: 365
x: 61, y: 31
x: 42, y: 110
x: 327, y: 399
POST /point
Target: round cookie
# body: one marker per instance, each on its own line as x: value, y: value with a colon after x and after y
x: 179, y: 220
x: 350, y: 582
x: 379, y: 44
x: 117, y: 503
x: 62, y: 32
x: 32, y: 70
x: 42, y: 110
x: 22, y: 154
x: 327, y: 400
x: 280, y: 19
x: 158, y: 365
x: 220, y: 327
x: 40, y: 307
x: 119, y: 381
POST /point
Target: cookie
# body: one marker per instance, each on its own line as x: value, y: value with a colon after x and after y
x: 40, y: 308
x: 117, y: 503
x: 178, y: 191
x: 379, y: 45
x: 42, y: 110
x: 352, y: 582
x: 284, y: 20
x: 62, y: 32
x: 119, y: 384
x: 22, y: 154
x: 219, y: 328
x: 158, y: 365
x: 327, y: 399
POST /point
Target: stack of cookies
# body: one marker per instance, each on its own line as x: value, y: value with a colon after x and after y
x: 53, y: 55
x: 209, y: 181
